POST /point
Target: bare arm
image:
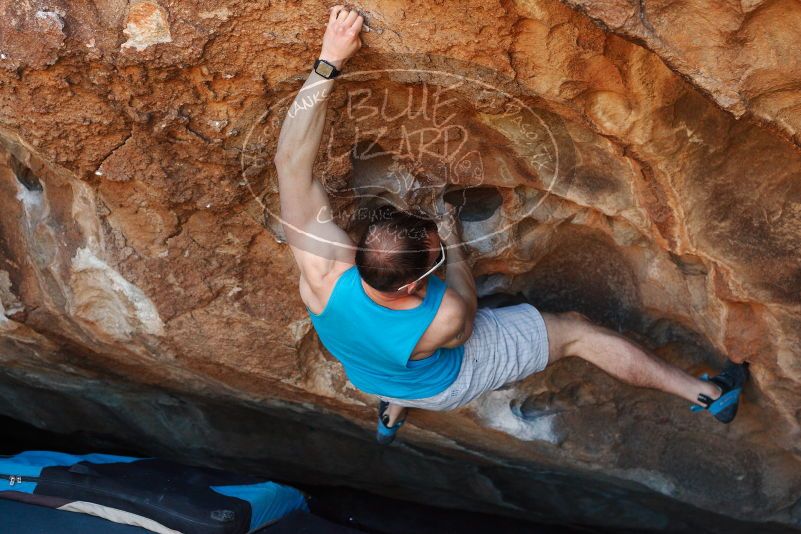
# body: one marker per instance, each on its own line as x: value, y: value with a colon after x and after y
x: 316, y: 241
x: 459, y: 277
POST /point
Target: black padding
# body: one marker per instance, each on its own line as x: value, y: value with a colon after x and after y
x: 175, y: 495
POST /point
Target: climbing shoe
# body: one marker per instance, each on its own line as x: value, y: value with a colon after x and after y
x: 386, y: 434
x: 730, y: 381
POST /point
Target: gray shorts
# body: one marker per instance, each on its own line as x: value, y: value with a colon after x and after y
x: 508, y: 344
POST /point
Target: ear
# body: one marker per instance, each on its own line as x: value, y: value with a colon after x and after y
x: 412, y: 289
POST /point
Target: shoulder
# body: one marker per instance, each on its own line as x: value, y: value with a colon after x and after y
x: 452, y: 311
x: 454, y: 319
x: 316, y: 286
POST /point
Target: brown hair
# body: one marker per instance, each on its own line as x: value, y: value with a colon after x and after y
x: 394, y: 249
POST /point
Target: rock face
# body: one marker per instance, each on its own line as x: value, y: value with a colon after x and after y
x: 146, y: 293
x: 745, y: 55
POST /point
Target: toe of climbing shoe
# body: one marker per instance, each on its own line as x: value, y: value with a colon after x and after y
x: 730, y: 381
x: 384, y: 434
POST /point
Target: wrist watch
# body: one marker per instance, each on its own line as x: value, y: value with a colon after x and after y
x: 326, y: 69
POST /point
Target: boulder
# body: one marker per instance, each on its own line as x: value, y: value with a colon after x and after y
x: 603, y: 161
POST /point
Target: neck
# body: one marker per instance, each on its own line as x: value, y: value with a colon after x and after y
x: 395, y: 300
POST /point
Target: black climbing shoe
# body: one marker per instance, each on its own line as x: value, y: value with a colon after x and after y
x: 386, y: 434
x: 730, y: 381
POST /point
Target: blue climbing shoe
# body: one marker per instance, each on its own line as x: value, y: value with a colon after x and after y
x: 384, y: 434
x: 730, y: 381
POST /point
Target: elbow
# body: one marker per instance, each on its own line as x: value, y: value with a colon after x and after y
x: 471, y: 319
x: 472, y: 306
x: 467, y: 333
x: 285, y: 163
x: 291, y: 161
x: 287, y: 152
x: 281, y: 158
x: 468, y: 330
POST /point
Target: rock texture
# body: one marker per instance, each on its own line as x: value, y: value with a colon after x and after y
x: 146, y: 292
x: 746, y: 55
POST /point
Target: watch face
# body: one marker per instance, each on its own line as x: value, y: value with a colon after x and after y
x: 324, y: 69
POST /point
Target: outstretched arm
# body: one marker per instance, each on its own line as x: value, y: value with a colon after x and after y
x: 316, y: 241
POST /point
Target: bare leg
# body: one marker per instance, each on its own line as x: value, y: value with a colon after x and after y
x: 395, y: 412
x: 572, y: 334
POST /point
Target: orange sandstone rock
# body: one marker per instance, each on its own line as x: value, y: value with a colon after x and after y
x: 621, y: 169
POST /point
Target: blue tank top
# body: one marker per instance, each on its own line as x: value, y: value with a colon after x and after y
x: 374, y: 343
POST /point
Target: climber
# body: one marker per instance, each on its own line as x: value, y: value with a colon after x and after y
x: 400, y: 331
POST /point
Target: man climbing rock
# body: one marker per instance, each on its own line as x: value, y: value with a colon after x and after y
x: 401, y: 332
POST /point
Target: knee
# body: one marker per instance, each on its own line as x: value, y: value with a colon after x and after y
x: 577, y: 324
x: 580, y: 333
x: 566, y: 333
x: 574, y: 317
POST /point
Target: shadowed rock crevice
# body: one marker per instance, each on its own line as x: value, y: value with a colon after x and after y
x: 474, y: 205
x: 24, y: 174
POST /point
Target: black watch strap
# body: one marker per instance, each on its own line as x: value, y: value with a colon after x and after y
x: 325, y: 69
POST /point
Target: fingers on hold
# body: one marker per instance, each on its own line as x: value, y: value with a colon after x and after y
x: 335, y: 10
x: 351, y: 18
x: 343, y: 14
x: 356, y: 28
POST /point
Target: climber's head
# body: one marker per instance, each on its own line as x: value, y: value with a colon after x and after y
x: 396, y: 250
